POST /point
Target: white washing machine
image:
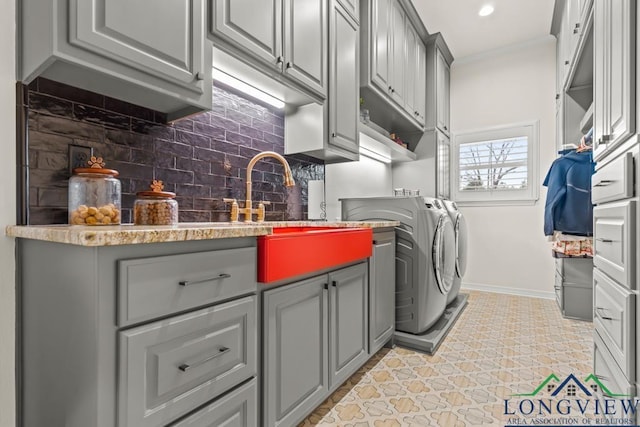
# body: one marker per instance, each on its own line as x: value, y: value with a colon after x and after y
x: 425, y: 255
x: 460, y: 229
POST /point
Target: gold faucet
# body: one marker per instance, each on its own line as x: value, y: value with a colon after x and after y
x: 248, y: 211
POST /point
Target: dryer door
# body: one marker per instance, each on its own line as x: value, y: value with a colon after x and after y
x: 461, y: 245
x: 444, y: 254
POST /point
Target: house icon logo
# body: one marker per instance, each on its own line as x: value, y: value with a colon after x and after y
x: 570, y: 387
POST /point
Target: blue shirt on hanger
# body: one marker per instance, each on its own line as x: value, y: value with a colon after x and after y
x: 568, y: 207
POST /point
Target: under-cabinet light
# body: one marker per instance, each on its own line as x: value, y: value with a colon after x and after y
x: 373, y: 155
x: 486, y: 10
x: 246, y: 88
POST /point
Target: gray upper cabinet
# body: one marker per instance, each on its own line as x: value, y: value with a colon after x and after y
x: 161, y: 62
x: 439, y: 59
x: 392, y: 73
x: 295, y: 371
x: 343, y: 77
x: 254, y: 27
x: 349, y: 333
x: 382, y: 290
x: 614, y: 76
x: 283, y: 38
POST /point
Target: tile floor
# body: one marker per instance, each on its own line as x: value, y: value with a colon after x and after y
x: 500, y: 345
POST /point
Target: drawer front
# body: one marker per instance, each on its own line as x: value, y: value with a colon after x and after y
x: 614, y: 242
x: 158, y: 286
x: 170, y: 367
x: 578, y: 270
x: 614, y: 181
x: 608, y: 372
x: 238, y: 408
x: 614, y: 320
x: 558, y: 289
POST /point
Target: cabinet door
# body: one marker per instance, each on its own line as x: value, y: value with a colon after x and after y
x: 382, y: 290
x: 295, y: 370
x: 411, y: 68
x: 621, y: 70
x: 421, y: 83
x: 255, y: 26
x: 348, y: 313
x: 600, y: 104
x: 344, y: 82
x: 381, y: 52
x: 168, y: 43
x: 305, y: 43
x: 398, y: 77
x: 353, y: 7
x: 442, y: 93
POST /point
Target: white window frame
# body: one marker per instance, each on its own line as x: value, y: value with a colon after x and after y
x: 527, y: 196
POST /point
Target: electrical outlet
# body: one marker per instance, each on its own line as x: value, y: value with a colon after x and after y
x: 78, y: 157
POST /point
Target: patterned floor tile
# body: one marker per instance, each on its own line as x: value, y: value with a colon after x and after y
x: 500, y: 345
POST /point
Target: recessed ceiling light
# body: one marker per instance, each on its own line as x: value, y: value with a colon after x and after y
x: 486, y: 10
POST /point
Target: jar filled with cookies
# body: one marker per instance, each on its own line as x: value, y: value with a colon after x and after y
x: 155, y: 207
x: 94, y: 195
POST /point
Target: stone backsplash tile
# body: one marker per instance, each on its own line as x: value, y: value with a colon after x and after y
x: 202, y: 158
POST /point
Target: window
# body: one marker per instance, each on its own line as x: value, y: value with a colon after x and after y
x: 496, y: 166
x: 571, y: 390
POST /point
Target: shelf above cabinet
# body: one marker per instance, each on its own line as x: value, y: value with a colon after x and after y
x: 373, y: 140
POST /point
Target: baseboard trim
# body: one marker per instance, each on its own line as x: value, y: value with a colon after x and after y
x: 508, y: 291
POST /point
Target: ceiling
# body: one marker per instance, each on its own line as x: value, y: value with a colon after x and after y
x: 466, y: 33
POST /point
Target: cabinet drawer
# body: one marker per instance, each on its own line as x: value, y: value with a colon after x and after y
x: 170, y: 367
x: 614, y: 181
x: 614, y: 320
x: 608, y: 372
x: 558, y: 289
x: 614, y: 243
x: 158, y: 286
x: 238, y: 408
x: 575, y: 270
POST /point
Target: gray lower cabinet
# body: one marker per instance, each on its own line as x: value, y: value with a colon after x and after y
x: 574, y: 287
x: 162, y: 62
x: 382, y: 290
x: 238, y: 408
x: 188, y: 338
x: 296, y: 349
x: 315, y: 335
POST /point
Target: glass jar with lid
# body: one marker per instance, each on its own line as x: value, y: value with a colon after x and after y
x: 94, y: 195
x: 155, y: 207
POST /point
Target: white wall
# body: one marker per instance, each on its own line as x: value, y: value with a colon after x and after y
x: 507, y: 246
x: 7, y: 214
x: 365, y: 178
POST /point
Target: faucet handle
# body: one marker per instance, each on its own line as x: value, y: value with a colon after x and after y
x: 261, y: 210
x: 235, y: 211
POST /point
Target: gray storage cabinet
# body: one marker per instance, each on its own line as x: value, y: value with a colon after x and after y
x: 285, y: 37
x: 157, y: 57
x: 315, y: 336
x: 186, y: 336
x: 382, y: 290
x: 574, y: 287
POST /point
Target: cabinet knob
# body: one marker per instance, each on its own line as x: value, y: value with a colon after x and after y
x: 557, y: 96
x: 333, y: 135
x: 393, y: 90
x: 576, y: 31
x: 566, y: 62
x: 289, y: 65
x: 279, y: 60
x: 445, y: 128
x: 577, y: 25
x: 199, y: 76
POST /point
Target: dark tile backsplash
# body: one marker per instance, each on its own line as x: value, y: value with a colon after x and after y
x: 202, y: 158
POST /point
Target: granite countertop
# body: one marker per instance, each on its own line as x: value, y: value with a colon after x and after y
x: 128, y: 234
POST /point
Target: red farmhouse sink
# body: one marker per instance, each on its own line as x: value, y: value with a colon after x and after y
x: 292, y: 251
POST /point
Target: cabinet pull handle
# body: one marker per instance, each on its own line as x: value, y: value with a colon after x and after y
x: 289, y: 65
x: 211, y: 279
x: 333, y: 135
x: 279, y: 60
x: 334, y: 284
x: 600, y: 310
x: 605, y: 183
x: 188, y: 365
x: 445, y: 128
x: 604, y: 240
x: 576, y: 30
x: 326, y: 286
x: 199, y: 76
x: 566, y: 62
x: 393, y: 90
x: 557, y: 288
x: 557, y: 96
x: 602, y: 377
x: 606, y: 138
